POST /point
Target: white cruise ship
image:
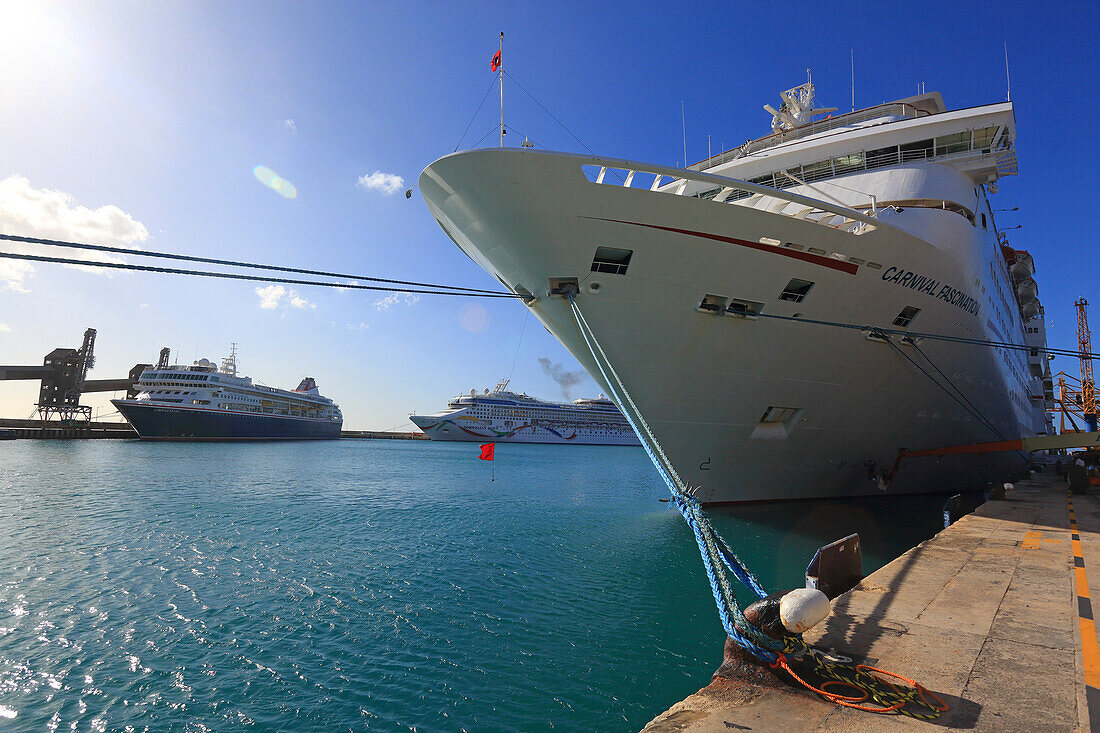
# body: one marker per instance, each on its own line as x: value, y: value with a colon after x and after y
x: 201, y: 402
x: 501, y: 416
x: 755, y: 305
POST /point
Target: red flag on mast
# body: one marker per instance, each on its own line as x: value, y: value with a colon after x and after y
x: 487, y: 451
x: 494, y: 65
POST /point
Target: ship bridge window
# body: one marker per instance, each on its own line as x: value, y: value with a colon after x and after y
x: 611, y: 260
x: 848, y: 163
x: 983, y: 138
x: 796, y: 290
x: 956, y: 143
x: 882, y: 157
x: 817, y: 171
x: 906, y: 316
x: 918, y: 150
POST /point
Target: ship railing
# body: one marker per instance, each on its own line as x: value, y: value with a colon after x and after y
x: 891, y: 110
x: 728, y: 191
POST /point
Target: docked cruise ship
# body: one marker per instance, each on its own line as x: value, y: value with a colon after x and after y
x: 501, y: 416
x: 790, y: 316
x: 202, y: 402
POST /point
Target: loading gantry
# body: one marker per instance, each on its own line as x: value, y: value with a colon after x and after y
x: 63, y: 376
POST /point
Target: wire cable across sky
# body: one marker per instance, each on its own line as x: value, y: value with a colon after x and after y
x: 233, y: 263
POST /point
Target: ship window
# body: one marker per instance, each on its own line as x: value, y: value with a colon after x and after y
x: 796, y: 290
x: 777, y: 423
x: 956, y: 143
x: 983, y: 138
x: 906, y: 316
x: 744, y: 308
x: 610, y: 260
x: 778, y: 414
x: 712, y: 303
x: 847, y: 163
x: 918, y: 150
x: 882, y: 157
x: 817, y: 171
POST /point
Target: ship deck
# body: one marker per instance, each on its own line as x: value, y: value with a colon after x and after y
x: 993, y: 614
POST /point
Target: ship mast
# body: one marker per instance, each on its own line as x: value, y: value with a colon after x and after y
x: 501, y: 57
x: 229, y: 363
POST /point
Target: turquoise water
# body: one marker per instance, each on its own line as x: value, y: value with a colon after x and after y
x: 370, y: 585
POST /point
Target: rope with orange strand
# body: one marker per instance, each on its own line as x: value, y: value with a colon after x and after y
x: 889, y: 697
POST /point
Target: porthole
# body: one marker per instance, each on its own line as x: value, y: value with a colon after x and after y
x: 594, y: 287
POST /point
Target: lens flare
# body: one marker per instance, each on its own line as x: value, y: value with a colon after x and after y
x: 473, y: 318
x: 274, y: 181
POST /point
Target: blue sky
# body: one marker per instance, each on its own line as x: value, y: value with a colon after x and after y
x: 152, y: 117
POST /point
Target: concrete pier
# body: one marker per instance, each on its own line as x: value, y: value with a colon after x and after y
x: 992, y: 614
x: 37, y: 430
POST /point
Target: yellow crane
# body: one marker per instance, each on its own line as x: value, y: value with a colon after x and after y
x: 1084, y: 346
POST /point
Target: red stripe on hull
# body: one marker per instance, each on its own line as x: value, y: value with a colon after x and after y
x: 847, y: 267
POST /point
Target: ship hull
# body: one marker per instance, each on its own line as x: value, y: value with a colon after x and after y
x: 453, y: 430
x: 705, y: 381
x: 169, y: 422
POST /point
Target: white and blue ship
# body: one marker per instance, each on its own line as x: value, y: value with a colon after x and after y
x: 202, y: 402
x: 507, y: 417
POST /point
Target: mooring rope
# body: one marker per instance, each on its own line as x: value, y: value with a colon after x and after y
x: 253, y: 278
x: 715, y: 561
x: 230, y: 263
x: 887, y: 697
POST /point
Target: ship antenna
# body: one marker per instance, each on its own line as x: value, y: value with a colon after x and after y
x: 229, y: 363
x: 853, y: 79
x: 1008, y: 79
x: 683, y: 128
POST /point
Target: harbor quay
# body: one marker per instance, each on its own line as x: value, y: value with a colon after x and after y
x: 993, y: 616
x: 37, y: 429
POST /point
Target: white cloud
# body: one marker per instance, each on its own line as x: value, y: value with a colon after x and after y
x: 384, y: 183
x: 271, y: 297
x: 384, y: 304
x: 299, y: 302
x: 5, y: 328
x: 52, y: 214
x: 352, y: 327
x: 290, y: 127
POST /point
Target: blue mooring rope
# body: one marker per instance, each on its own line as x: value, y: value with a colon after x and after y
x: 716, y: 554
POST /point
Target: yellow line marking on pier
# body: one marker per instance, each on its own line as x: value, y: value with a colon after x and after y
x: 1090, y: 648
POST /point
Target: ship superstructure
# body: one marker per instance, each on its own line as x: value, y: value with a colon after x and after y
x: 764, y: 308
x: 507, y: 417
x: 202, y: 402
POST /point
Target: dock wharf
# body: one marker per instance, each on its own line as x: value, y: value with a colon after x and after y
x: 36, y: 429
x: 993, y: 615
x: 56, y: 430
x: 382, y: 435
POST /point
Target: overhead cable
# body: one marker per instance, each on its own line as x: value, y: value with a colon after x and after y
x: 254, y: 278
x: 232, y: 263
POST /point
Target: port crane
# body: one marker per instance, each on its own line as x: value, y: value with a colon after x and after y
x: 64, y: 378
x: 1077, y: 395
